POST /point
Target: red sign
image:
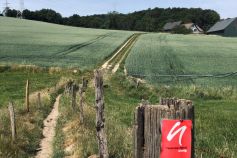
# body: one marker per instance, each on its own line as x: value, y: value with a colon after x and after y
x: 176, y: 139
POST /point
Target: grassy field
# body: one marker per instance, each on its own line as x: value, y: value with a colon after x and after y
x: 214, y: 121
x: 44, y: 44
x: 168, y: 54
x: 12, y: 84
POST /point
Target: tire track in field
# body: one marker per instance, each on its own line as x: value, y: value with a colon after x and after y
x: 60, y: 54
x: 79, y: 46
x: 122, y: 52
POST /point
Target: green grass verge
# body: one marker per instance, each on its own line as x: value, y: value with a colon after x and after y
x: 216, y: 128
x: 215, y: 118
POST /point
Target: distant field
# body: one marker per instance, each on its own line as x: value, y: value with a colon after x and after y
x: 43, y: 44
x: 155, y: 55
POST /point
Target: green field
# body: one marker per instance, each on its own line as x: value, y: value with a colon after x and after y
x: 12, y: 84
x: 44, y: 44
x: 155, y: 55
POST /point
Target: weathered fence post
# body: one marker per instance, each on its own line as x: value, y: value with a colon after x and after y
x: 74, y: 95
x: 27, y: 96
x: 147, y: 125
x: 68, y: 87
x: 137, y: 83
x: 81, y: 108
x: 39, y: 100
x: 100, y: 118
x: 82, y: 89
x: 84, y: 84
x: 139, y: 132
x: 12, y: 118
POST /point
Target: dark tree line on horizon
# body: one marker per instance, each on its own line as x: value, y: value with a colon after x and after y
x: 151, y: 20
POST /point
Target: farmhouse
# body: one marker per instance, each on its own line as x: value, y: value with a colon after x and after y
x: 190, y: 26
x: 171, y: 25
x: 226, y: 27
x: 195, y: 28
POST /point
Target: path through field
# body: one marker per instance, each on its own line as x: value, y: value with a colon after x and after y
x: 115, y: 61
x: 46, y: 149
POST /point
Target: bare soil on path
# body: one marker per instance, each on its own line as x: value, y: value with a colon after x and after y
x: 46, y: 148
x: 114, y: 62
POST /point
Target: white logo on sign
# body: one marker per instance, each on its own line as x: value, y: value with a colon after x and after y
x: 173, y: 133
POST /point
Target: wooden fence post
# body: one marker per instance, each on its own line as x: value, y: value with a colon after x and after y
x: 100, y: 119
x: 84, y: 84
x: 81, y: 108
x: 139, y: 132
x: 137, y: 83
x: 68, y: 87
x: 74, y: 95
x: 147, y: 127
x: 39, y: 100
x: 12, y: 118
x: 27, y: 96
x: 82, y: 89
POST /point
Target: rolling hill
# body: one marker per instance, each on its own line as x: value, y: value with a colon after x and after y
x: 43, y: 44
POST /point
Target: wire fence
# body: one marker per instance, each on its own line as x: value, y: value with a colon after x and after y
x: 225, y: 78
x: 188, y: 75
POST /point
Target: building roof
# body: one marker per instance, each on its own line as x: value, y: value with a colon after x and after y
x: 199, y: 28
x: 171, y: 25
x: 191, y: 25
x: 221, y: 25
x: 188, y: 25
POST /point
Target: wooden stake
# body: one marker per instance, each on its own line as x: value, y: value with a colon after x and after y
x: 39, y: 100
x: 81, y: 108
x: 139, y: 132
x: 137, y: 83
x: 82, y: 89
x: 100, y: 119
x: 27, y: 96
x: 12, y: 118
x: 74, y: 95
x: 84, y: 84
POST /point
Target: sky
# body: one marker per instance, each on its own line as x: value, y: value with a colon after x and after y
x: 226, y: 8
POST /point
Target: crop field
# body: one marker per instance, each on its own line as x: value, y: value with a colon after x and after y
x: 166, y: 58
x: 50, y: 45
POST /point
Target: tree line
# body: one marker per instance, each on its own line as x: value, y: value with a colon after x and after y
x: 151, y: 20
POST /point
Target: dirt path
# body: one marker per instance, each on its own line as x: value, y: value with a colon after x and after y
x: 125, y: 53
x: 46, y: 148
x: 106, y: 64
x: 114, y: 62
